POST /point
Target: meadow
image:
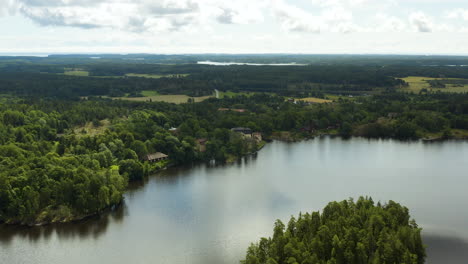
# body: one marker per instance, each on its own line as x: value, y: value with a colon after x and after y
x: 173, y: 98
x: 417, y: 83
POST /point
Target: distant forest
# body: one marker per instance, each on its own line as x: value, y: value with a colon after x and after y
x: 345, y: 74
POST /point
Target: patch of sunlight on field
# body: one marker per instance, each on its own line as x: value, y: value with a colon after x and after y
x: 417, y: 83
x: 452, y: 89
x: 314, y: 100
x: 76, y: 73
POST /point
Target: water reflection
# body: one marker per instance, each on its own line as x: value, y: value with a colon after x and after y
x: 446, y: 249
x: 209, y: 214
x: 92, y: 227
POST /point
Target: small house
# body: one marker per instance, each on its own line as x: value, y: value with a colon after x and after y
x: 155, y: 157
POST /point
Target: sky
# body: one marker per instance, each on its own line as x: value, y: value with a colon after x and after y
x: 234, y: 26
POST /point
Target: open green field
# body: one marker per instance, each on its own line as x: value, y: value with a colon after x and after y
x: 82, y: 72
x: 155, y: 76
x: 314, y: 100
x: 76, y: 72
x: 176, y: 98
x: 417, y: 83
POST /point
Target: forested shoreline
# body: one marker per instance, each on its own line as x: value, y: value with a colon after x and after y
x: 62, y: 159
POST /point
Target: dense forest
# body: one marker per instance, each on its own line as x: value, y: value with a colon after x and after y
x: 124, y: 75
x: 66, y: 159
x: 345, y: 232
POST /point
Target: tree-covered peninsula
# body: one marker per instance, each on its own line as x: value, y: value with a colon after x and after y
x: 344, y: 232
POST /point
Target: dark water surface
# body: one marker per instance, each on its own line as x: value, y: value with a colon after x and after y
x: 209, y: 215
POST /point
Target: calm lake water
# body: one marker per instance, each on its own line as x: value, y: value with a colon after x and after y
x: 209, y: 215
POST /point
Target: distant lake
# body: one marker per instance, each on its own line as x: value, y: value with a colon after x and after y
x: 250, y: 64
x: 210, y: 214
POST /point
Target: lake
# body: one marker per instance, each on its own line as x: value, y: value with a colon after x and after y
x: 210, y: 214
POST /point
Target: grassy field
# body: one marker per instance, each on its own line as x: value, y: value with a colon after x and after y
x: 155, y: 76
x: 91, y: 130
x: 314, y: 100
x: 76, y: 73
x: 81, y: 72
x: 417, y: 83
x: 177, y: 98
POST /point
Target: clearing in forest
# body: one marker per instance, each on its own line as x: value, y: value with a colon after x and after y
x: 452, y: 85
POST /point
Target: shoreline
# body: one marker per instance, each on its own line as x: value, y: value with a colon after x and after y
x: 66, y: 221
x: 294, y: 139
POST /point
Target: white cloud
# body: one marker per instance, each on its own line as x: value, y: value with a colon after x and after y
x: 7, y: 7
x: 331, y: 17
x: 148, y: 17
x: 387, y: 23
x: 421, y: 22
x: 126, y: 15
x: 238, y: 12
x: 140, y: 15
x: 295, y: 19
x: 458, y: 13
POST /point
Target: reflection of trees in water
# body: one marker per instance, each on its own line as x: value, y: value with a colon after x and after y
x: 90, y: 227
x: 173, y: 175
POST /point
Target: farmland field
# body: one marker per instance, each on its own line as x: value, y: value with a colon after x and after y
x: 417, y: 83
x: 176, y: 99
x: 76, y: 72
x: 314, y: 100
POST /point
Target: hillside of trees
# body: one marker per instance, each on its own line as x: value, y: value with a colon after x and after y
x: 344, y: 232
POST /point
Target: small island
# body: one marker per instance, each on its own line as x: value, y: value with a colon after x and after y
x: 345, y: 232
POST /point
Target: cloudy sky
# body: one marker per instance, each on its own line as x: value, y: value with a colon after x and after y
x: 234, y: 26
